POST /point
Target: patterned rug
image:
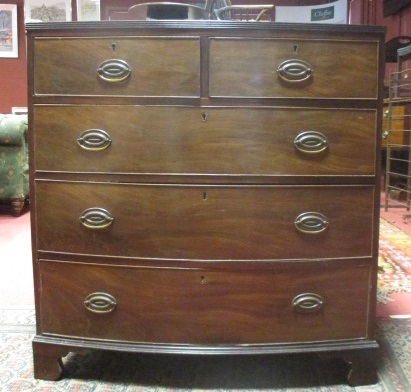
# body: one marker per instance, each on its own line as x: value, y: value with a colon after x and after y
x: 394, y: 261
x: 101, y: 371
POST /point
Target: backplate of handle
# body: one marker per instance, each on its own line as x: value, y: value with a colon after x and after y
x: 114, y: 70
x: 311, y: 222
x: 100, y: 303
x: 94, y: 140
x: 295, y: 71
x: 311, y: 142
x: 96, y: 218
x: 307, y: 303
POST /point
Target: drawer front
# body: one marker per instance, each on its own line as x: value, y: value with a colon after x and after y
x: 246, y: 141
x: 138, y: 66
x: 394, y: 129
x: 204, y: 222
x: 297, y: 302
x: 293, y: 68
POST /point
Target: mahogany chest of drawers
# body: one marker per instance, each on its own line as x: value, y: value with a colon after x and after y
x: 205, y: 187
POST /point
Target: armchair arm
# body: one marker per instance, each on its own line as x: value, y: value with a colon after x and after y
x: 13, y: 128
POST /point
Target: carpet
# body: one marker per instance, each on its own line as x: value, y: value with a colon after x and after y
x: 394, y: 274
x: 101, y: 371
x: 106, y: 371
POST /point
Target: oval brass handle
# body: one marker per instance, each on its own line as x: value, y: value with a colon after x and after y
x: 96, y: 218
x: 100, y: 303
x: 311, y: 222
x: 307, y: 303
x: 94, y: 140
x: 114, y: 70
x: 295, y: 71
x: 311, y: 142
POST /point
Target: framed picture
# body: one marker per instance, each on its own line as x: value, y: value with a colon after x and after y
x: 88, y: 9
x: 47, y: 10
x: 8, y: 31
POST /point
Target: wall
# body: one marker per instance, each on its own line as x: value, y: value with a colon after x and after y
x: 108, y: 6
x: 370, y: 12
x: 398, y: 25
x: 13, y: 73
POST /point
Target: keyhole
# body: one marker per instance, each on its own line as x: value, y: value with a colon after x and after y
x: 204, y: 196
x: 113, y: 46
x: 203, y: 279
x: 204, y: 117
x: 295, y: 49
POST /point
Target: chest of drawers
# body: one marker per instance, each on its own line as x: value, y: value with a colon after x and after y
x: 205, y: 187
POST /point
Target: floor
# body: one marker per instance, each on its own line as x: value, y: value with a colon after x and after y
x: 15, y: 261
x: 397, y: 215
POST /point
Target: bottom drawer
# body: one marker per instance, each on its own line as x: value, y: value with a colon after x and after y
x: 284, y: 302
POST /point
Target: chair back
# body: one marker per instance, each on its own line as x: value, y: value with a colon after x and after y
x: 163, y: 10
x: 254, y: 12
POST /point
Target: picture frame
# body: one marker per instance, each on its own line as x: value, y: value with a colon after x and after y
x: 47, y: 10
x: 88, y: 10
x: 8, y: 31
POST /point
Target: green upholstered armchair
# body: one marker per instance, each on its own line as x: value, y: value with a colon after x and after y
x: 14, y: 187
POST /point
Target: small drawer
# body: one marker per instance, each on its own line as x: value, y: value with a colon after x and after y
x: 208, y: 140
x: 297, y: 302
x: 295, y: 68
x: 204, y: 222
x: 117, y: 66
x: 394, y: 126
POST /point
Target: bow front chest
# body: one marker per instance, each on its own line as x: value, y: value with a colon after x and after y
x: 205, y: 188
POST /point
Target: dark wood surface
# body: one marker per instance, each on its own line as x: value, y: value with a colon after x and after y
x: 68, y: 66
x: 206, y: 306
x: 159, y: 66
x: 180, y: 140
x: 205, y: 222
x: 204, y: 184
x: 331, y: 61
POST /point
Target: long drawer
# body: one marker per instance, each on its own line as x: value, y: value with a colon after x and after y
x: 283, y: 67
x: 246, y: 141
x: 204, y: 222
x: 136, y: 66
x: 297, y: 302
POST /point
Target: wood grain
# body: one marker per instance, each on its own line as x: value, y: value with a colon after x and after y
x: 179, y: 140
x: 160, y: 66
x: 205, y: 306
x: 205, y: 222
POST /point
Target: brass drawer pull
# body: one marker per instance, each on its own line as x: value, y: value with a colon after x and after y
x: 114, y: 70
x: 311, y: 142
x: 94, y: 140
x: 307, y: 303
x: 100, y: 303
x: 96, y: 218
x: 295, y: 71
x: 311, y: 222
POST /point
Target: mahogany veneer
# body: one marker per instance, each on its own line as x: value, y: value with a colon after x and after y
x: 205, y: 188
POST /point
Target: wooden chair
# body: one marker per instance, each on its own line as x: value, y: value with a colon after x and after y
x: 253, y: 12
x: 212, y: 9
x: 169, y: 11
x: 398, y: 138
